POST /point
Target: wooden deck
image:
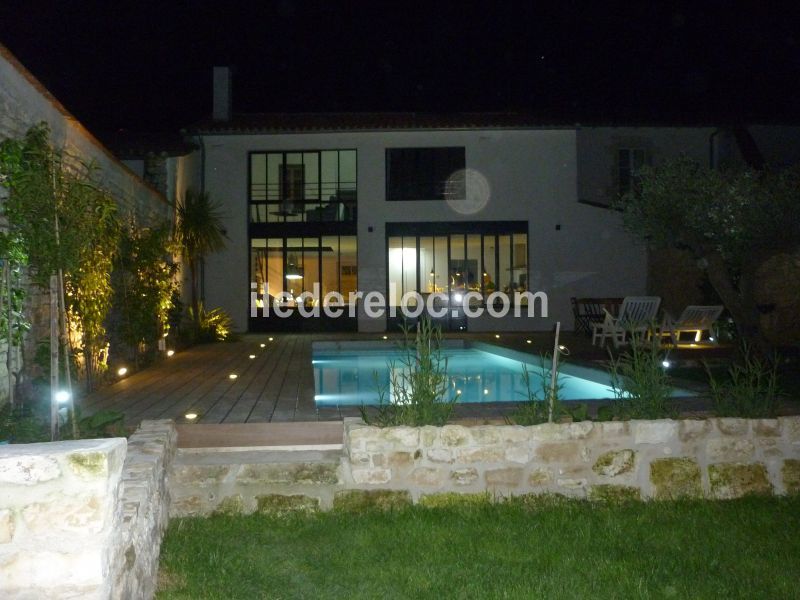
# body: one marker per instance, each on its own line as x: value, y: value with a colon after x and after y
x: 277, y: 385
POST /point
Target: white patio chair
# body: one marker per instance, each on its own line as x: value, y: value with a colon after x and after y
x: 696, y: 319
x: 636, y: 316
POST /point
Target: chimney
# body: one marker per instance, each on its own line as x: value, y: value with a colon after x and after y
x: 221, y: 110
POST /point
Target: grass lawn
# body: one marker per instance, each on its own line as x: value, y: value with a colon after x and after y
x: 543, y: 548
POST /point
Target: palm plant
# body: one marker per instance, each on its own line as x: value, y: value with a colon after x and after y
x: 200, y: 233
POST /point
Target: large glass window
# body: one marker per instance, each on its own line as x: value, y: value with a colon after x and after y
x: 303, y: 186
x: 458, y: 262
x: 295, y: 265
x: 425, y: 173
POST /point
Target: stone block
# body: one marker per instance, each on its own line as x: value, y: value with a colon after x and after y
x: 610, y: 429
x: 189, y: 506
x: 692, y: 429
x: 6, y: 526
x: 732, y: 480
x: 466, y: 476
x: 28, y: 470
x: 454, y: 435
x: 426, y: 476
x: 359, y: 500
x: 290, y: 473
x: 729, y: 449
x: 518, y: 454
x: 371, y: 476
x: 230, y: 505
x: 507, y: 477
x: 482, y: 454
x: 440, y: 455
x: 407, y: 437
x: 547, y: 432
x: 278, y: 504
x: 539, y: 477
x: 70, y: 514
x: 88, y: 465
x: 485, y: 435
x: 558, y: 452
x: 571, y: 483
x: 731, y: 426
x: 513, y: 434
x: 614, y: 493
x: 428, y: 436
x: 614, y: 462
x: 654, y: 432
x: 200, y: 475
x: 675, y: 478
x: 790, y: 428
x: 401, y: 460
x: 359, y: 458
x: 790, y: 473
x: 766, y: 428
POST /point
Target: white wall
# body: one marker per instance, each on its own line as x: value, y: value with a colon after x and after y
x: 532, y: 175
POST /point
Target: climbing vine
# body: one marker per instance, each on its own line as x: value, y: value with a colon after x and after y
x: 144, y: 282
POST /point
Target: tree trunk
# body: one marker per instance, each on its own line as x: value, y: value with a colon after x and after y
x: 739, y: 303
x: 195, y: 294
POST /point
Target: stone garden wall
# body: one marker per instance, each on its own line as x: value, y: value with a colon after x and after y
x: 717, y: 458
x: 84, y: 519
x: 59, y: 518
x: 144, y: 502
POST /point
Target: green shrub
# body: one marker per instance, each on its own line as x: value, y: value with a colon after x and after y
x: 418, y: 392
x: 751, y: 390
x: 536, y: 407
x: 210, y: 326
x: 640, y: 383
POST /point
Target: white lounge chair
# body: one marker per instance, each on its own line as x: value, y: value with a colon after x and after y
x: 696, y: 319
x: 636, y: 316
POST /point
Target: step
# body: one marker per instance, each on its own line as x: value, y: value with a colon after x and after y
x: 237, y: 437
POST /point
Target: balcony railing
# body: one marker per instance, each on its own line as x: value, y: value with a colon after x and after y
x: 311, y: 202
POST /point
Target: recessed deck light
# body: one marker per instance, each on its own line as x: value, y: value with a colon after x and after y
x: 170, y: 352
x: 190, y: 416
x: 232, y: 376
x: 263, y: 345
x: 497, y: 336
x: 252, y: 356
x: 122, y: 371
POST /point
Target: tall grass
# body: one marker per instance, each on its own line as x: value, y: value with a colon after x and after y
x: 751, y: 390
x: 418, y: 392
x: 639, y: 380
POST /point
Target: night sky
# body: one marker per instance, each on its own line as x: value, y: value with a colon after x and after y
x: 146, y: 66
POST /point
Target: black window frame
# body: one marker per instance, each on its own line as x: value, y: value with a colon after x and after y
x: 425, y: 173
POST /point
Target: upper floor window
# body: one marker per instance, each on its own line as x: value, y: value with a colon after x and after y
x: 307, y: 185
x: 629, y: 162
x: 425, y: 173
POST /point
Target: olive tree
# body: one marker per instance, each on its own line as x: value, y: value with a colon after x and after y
x: 731, y: 221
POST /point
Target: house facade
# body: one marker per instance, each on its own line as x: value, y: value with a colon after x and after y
x: 423, y: 209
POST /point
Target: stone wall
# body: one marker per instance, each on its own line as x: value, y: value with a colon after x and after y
x: 59, y: 518
x: 85, y: 519
x: 716, y: 458
x: 144, y: 501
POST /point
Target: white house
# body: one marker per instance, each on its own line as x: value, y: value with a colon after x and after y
x: 429, y: 204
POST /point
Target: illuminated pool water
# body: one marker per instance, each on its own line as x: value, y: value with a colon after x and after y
x: 350, y: 374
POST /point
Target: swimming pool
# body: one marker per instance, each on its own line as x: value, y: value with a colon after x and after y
x: 345, y: 374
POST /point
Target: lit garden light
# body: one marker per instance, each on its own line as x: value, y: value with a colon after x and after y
x: 122, y: 371
x: 263, y: 345
x: 170, y: 352
x: 386, y: 337
x: 232, y: 376
x: 252, y: 356
x: 190, y: 416
x: 62, y: 396
x: 666, y: 364
x: 528, y: 341
x: 270, y: 339
x: 497, y: 336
